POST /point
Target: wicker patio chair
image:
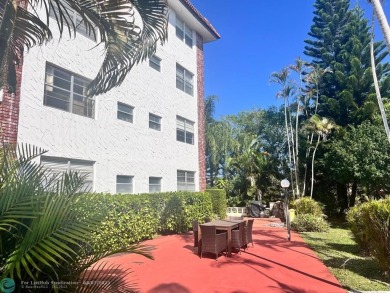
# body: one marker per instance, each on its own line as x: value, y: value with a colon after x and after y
x: 211, y: 241
x: 248, y: 232
x: 238, y: 239
x: 195, y: 228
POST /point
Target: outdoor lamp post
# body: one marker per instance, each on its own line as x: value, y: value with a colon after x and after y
x: 285, y: 185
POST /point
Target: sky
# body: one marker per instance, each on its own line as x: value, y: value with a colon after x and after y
x: 258, y: 37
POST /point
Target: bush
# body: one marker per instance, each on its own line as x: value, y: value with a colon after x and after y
x: 130, y: 218
x: 370, y: 225
x: 218, y: 199
x: 306, y: 205
x: 309, y: 223
x: 356, y: 224
x: 378, y: 232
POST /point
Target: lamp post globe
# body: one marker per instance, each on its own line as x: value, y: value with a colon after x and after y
x: 285, y: 183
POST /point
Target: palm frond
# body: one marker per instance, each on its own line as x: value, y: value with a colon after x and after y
x: 105, y: 277
x: 128, y: 44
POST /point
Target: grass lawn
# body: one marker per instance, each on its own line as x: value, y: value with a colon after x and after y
x: 340, y: 254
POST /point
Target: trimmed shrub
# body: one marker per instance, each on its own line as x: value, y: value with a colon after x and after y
x: 370, y: 225
x: 130, y: 218
x: 306, y: 205
x: 309, y: 223
x: 219, y: 201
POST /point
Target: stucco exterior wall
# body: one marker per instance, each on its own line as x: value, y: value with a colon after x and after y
x: 117, y: 147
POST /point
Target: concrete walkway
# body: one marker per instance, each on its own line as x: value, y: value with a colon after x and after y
x: 272, y: 265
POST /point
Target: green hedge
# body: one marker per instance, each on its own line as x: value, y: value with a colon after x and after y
x: 370, y: 225
x: 131, y: 218
x: 219, y: 201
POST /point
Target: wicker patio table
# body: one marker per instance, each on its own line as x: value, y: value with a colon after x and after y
x: 225, y: 225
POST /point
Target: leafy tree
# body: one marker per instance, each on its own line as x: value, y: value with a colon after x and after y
x: 249, y: 164
x: 129, y: 30
x: 267, y: 127
x: 340, y: 41
x: 360, y: 158
x: 219, y: 143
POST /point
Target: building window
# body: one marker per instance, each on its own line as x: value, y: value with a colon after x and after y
x: 76, y: 18
x: 155, y: 62
x: 67, y: 91
x: 185, y: 180
x: 60, y: 165
x: 154, y: 122
x: 125, y: 112
x: 184, y: 130
x: 184, y: 32
x: 154, y: 184
x: 184, y: 80
x: 124, y: 184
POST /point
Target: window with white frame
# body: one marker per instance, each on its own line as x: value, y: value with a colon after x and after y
x: 185, y: 180
x: 76, y: 18
x: 59, y: 166
x: 184, y: 32
x: 184, y: 80
x: 184, y: 130
x: 154, y: 122
x: 125, y: 112
x: 154, y: 184
x: 155, y: 62
x: 67, y: 91
x: 124, y: 184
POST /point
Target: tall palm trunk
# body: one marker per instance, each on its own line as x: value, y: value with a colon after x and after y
x: 288, y: 140
x: 294, y: 159
x: 312, y: 166
x: 380, y: 15
x: 376, y: 85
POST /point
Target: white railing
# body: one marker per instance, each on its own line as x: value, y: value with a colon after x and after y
x: 236, y: 212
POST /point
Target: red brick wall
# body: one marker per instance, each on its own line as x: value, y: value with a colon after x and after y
x: 201, y: 115
x: 9, y: 110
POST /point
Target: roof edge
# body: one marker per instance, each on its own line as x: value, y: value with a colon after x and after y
x: 201, y: 18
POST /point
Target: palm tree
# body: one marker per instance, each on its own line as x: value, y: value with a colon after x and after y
x: 380, y: 15
x: 249, y: 163
x: 298, y: 67
x: 321, y: 127
x: 129, y: 30
x: 285, y: 93
x: 377, y: 91
x: 45, y: 232
x: 313, y: 78
x: 373, y: 69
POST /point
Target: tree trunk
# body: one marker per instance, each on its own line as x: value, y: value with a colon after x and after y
x: 294, y: 160
x: 377, y: 90
x: 352, y: 199
x: 308, y: 149
x: 312, y: 166
x: 288, y: 140
x: 342, y: 196
x: 380, y: 15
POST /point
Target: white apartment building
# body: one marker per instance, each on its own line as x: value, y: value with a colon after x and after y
x: 145, y: 136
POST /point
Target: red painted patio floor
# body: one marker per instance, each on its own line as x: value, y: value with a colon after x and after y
x: 272, y: 265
